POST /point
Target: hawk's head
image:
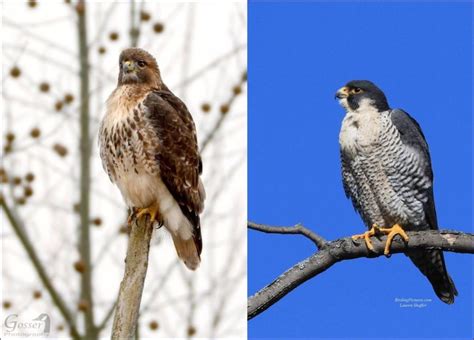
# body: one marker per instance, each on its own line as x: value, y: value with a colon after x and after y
x: 357, y: 93
x: 137, y: 66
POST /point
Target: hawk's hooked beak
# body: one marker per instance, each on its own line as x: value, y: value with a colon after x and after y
x: 128, y: 66
x: 343, y: 92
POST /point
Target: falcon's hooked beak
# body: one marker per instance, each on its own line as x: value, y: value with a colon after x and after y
x: 343, y: 92
x: 129, y: 66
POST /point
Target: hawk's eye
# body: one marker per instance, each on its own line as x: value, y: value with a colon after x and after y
x: 357, y: 90
x: 141, y: 63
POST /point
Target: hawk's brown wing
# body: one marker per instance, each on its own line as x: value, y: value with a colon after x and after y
x: 178, y: 156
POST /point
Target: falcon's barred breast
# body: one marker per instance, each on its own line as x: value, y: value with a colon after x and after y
x: 149, y: 149
x: 386, y: 170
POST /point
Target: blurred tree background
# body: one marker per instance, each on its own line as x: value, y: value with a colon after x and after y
x: 64, y: 231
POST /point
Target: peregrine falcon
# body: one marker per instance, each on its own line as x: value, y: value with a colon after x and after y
x: 149, y: 149
x: 386, y: 170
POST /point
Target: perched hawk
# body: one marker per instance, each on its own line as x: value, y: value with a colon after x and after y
x: 149, y: 149
x: 386, y: 170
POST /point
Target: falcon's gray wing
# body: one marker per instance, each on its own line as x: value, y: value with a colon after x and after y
x: 412, y: 136
x: 430, y: 262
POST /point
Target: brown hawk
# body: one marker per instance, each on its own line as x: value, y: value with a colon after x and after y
x: 149, y: 149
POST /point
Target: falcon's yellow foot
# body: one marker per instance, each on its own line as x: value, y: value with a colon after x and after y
x: 366, y: 236
x: 392, y: 232
x: 153, y: 210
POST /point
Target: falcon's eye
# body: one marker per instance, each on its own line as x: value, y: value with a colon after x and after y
x: 357, y: 90
x: 141, y: 63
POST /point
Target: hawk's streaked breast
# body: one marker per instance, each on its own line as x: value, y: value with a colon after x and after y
x: 128, y: 146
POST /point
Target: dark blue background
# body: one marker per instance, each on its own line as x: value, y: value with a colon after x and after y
x: 299, y: 55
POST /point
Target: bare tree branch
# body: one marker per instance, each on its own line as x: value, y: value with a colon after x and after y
x: 107, y: 317
x: 134, y: 28
x: 85, y: 181
x: 131, y: 288
x: 214, y: 63
x: 346, y: 249
x: 224, y: 114
x: 20, y: 231
x: 319, y: 241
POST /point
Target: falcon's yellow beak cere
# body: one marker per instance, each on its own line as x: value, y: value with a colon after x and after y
x: 387, y: 173
x: 343, y: 92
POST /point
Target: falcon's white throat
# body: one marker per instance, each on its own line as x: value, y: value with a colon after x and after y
x: 360, y: 127
x: 343, y: 102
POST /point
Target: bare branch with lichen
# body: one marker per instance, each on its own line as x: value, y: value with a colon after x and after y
x: 347, y: 249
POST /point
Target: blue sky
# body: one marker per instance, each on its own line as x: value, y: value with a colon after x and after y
x: 299, y: 55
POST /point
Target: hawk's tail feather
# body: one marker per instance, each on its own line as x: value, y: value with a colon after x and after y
x: 431, y: 264
x: 185, y: 228
x: 187, y: 251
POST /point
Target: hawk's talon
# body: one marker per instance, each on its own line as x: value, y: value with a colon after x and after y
x: 153, y: 211
x: 131, y: 216
x: 391, y: 233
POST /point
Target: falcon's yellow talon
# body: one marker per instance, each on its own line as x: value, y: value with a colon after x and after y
x: 152, y: 211
x: 391, y: 233
x: 366, y: 236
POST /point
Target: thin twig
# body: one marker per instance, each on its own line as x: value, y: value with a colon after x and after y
x: 214, y: 63
x: 319, y: 241
x: 19, y: 228
x: 218, y: 124
x: 107, y: 317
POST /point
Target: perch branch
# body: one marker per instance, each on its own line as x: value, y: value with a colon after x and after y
x: 131, y: 288
x: 346, y: 249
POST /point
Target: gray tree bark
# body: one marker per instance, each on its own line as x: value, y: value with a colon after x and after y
x: 345, y: 249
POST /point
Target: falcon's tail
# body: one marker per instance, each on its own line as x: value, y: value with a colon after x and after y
x: 431, y: 264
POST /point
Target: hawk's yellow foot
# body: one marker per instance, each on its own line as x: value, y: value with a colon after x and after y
x: 131, y: 215
x: 366, y: 236
x: 391, y: 233
x: 153, y: 211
